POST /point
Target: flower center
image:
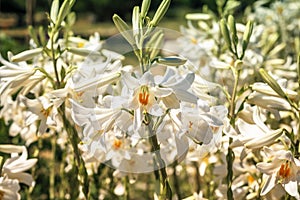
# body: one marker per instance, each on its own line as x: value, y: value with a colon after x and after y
x: 285, y: 170
x: 144, y: 95
x: 117, y: 144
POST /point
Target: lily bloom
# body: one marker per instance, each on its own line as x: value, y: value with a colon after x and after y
x: 283, y: 170
x: 15, y: 167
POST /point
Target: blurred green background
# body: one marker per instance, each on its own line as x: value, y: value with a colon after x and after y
x: 94, y: 16
x: 102, y: 10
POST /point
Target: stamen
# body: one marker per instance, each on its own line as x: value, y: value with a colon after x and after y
x: 284, y: 171
x: 117, y: 144
x: 46, y: 112
x: 144, y: 96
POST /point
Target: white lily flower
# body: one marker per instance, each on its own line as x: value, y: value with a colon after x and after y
x: 16, y: 166
x: 14, y: 77
x: 9, y: 189
x: 269, y: 102
x: 96, y: 73
x: 94, y: 119
x: 201, y: 125
x: 160, y: 83
x: 43, y: 110
x: 254, y: 136
x: 283, y: 169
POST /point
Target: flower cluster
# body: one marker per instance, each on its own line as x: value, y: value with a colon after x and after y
x: 217, y: 108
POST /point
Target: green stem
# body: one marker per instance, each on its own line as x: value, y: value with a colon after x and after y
x: 230, y: 153
x: 165, y: 189
x: 197, y: 180
x: 63, y: 182
x: 73, y: 137
x: 54, y: 59
x: 176, y: 181
x: 126, y: 183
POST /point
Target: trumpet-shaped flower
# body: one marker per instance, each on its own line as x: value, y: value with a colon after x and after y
x: 283, y: 169
x: 15, y: 167
x: 254, y: 136
x: 159, y: 84
x: 42, y: 110
x: 14, y: 77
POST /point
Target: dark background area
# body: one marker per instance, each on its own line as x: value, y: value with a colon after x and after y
x: 102, y: 10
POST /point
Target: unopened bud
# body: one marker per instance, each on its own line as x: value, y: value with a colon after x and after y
x: 225, y: 33
x: 272, y: 83
x: 161, y: 11
x: 82, y: 51
x: 145, y: 8
x: 123, y: 28
x: 247, y: 35
x: 172, y: 61
x: 26, y: 55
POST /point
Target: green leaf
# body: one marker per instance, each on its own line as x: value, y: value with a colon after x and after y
x: 33, y: 35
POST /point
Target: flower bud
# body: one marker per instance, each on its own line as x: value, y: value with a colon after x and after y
x: 54, y: 10
x: 123, y: 28
x: 172, y: 61
x: 264, y: 140
x: 161, y: 11
x: 247, y: 35
x: 82, y: 51
x: 145, y: 8
x: 272, y: 83
x: 156, y: 46
x: 231, y: 23
x: 197, y: 16
x: 33, y: 35
x: 63, y: 11
x: 225, y: 33
x: 136, y: 20
x: 26, y: 55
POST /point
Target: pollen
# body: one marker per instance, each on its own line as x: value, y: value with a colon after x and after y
x: 285, y: 170
x: 250, y: 179
x: 194, y: 41
x: 117, y: 144
x: 80, y: 45
x: 144, y: 96
x: 46, y: 112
